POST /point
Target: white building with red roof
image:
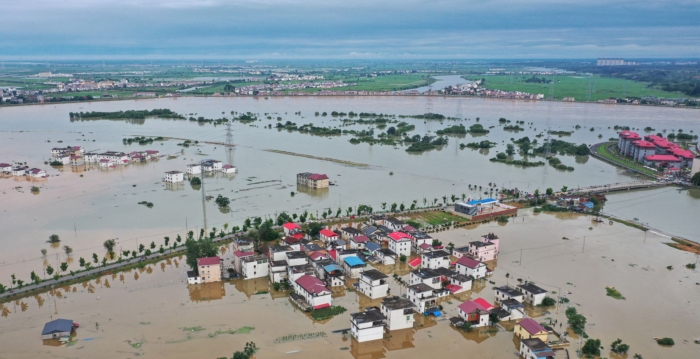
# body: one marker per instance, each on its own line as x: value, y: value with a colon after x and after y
x: 228, y: 169
x: 471, y: 267
x: 208, y: 270
x: 400, y: 243
x: 314, y: 291
x: 327, y: 236
x: 291, y: 228
x: 313, y: 180
x: 36, y: 173
x: 475, y: 312
x: 662, y: 161
x: 5, y: 167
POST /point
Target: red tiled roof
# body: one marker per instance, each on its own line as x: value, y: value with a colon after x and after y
x: 397, y: 236
x: 312, y: 284
x: 328, y: 233
x: 531, y: 326
x: 334, y: 254
x: 316, y: 255
x: 682, y: 153
x: 667, y: 158
x: 290, y: 225
x: 298, y: 236
x: 482, y: 302
x: 409, y: 228
x: 321, y: 306
x: 414, y: 262
x: 644, y: 144
x: 208, y: 261
x: 317, y: 176
x: 291, y: 239
x: 241, y: 254
x: 360, y: 239
x: 5, y: 165
x: 468, y: 262
x: 453, y: 288
x: 471, y: 306
x: 425, y: 246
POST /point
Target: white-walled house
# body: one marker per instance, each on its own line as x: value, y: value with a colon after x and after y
x: 471, y: 267
x: 212, y: 166
x: 255, y: 267
x: 400, y: 243
x: 435, y: 259
x: 459, y: 252
x: 358, y: 242
x: 474, y: 313
x: 353, y: 266
x: 426, y: 276
x: 194, y: 169
x: 386, y: 256
x: 394, y: 223
x: 535, y: 348
x: 314, y: 291
x: 228, y: 169
x: 19, y: 171
x: 327, y: 236
x: 174, y: 177
x: 425, y: 296
x: 36, y: 173
x: 5, y: 167
x: 368, y: 325
x: 506, y: 292
x: 398, y: 312
x: 373, y: 284
x: 278, y: 271
x: 532, y: 293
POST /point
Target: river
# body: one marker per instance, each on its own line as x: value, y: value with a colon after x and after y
x: 442, y: 82
x: 86, y: 210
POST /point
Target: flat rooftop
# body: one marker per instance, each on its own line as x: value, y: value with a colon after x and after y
x: 374, y: 274
x: 396, y: 302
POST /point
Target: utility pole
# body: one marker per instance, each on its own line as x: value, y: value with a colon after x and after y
x: 204, y: 196
x: 520, y: 262
x: 584, y: 244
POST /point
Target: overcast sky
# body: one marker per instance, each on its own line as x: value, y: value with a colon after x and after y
x: 323, y: 29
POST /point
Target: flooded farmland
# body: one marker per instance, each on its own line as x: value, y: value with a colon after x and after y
x: 89, y: 205
x: 152, y: 312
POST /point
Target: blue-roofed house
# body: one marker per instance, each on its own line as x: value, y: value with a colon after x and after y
x: 372, y: 247
x: 333, y: 275
x: 57, y: 329
x: 353, y: 266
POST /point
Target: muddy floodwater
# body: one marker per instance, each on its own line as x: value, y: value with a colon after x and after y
x: 152, y: 312
x: 86, y: 206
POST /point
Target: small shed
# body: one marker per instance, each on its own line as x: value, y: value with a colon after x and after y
x: 57, y: 328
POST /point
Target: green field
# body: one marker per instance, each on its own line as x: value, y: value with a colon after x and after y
x: 615, y: 157
x: 437, y: 218
x: 575, y: 86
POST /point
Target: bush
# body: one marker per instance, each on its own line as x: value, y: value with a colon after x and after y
x: 618, y: 347
x: 665, y: 341
x: 548, y: 302
x: 326, y: 313
x: 592, y: 347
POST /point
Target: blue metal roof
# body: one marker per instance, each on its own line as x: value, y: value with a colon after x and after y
x: 354, y: 261
x: 371, y: 246
x: 474, y: 202
x: 57, y: 326
x: 331, y: 267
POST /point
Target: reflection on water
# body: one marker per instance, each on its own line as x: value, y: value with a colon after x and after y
x: 582, y: 159
x: 251, y: 286
x: 367, y: 350
x: 206, y: 291
x: 179, y: 186
x: 399, y: 339
x: 319, y: 193
x: 477, y: 335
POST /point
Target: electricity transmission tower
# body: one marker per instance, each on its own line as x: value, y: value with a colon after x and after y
x: 458, y: 113
x: 549, y: 143
x: 428, y: 107
x: 229, y: 143
x: 551, y: 90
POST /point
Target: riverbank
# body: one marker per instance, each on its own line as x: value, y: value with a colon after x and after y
x: 602, y: 152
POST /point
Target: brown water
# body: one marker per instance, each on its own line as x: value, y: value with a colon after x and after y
x: 85, y: 211
x: 154, y: 305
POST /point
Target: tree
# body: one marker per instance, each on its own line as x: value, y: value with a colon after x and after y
x: 444, y: 200
x: 348, y: 211
x: 436, y: 243
x: 403, y: 258
x: 141, y: 247
x: 68, y: 250
x: 110, y: 244
x: 537, y: 193
x: 14, y: 279
x: 195, y: 181
x: 383, y: 206
x: 222, y: 201
x: 53, y: 239
x: 592, y: 347
x: 201, y: 248
x: 402, y: 207
x: 510, y: 149
x: 49, y: 270
x: 393, y: 207
x: 549, y: 191
x: 64, y: 267
x: 126, y: 253
x: 20, y: 283
x: 167, y: 239
x: 315, y: 228
x: 153, y: 245
x: 548, y: 302
x: 576, y: 321
x: 43, y: 252
x: 95, y: 258
x: 564, y: 188
x: 619, y: 347
x: 425, y: 201
x: 695, y: 180
x: 2, y: 289
x: 81, y: 262
x: 636, y: 356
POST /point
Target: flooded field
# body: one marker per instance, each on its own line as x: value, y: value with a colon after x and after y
x: 87, y: 206
x: 152, y: 312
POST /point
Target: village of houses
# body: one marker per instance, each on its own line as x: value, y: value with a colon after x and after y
x: 349, y: 257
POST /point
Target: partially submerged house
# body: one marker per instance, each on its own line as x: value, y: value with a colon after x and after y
x: 474, y: 312
x: 508, y: 292
x: 533, y: 294
x: 529, y: 328
x: 398, y: 312
x: 471, y: 267
x: 208, y: 270
x: 368, y: 325
x: 435, y: 259
x: 536, y: 349
x: 373, y: 284
x: 313, y: 291
x: 58, y: 328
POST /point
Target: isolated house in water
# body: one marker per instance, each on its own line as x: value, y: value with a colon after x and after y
x: 57, y: 329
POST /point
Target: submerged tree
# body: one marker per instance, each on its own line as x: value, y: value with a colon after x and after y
x: 53, y: 239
